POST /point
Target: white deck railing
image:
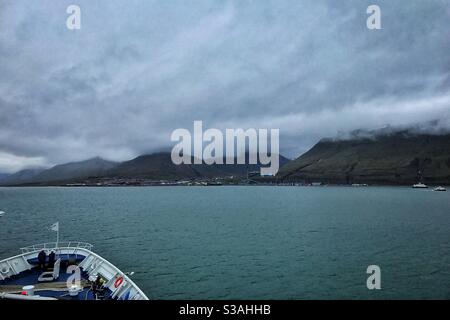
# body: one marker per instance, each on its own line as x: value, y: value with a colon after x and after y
x: 56, y: 246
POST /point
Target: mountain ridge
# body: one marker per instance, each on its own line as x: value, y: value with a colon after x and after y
x: 396, y: 158
x: 372, y: 157
x: 156, y: 166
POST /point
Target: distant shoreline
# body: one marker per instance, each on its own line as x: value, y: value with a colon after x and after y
x: 430, y: 186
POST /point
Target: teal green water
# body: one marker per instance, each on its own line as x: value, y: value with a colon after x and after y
x: 249, y: 242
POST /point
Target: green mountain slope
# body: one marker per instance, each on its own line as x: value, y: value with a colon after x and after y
x: 384, y: 159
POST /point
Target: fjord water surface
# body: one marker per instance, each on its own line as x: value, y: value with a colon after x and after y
x: 249, y: 242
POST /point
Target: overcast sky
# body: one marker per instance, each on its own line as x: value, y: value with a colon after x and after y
x: 137, y: 70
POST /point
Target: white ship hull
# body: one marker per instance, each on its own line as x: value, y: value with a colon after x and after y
x: 17, y: 270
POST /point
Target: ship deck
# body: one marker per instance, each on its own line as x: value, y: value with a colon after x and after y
x: 54, y: 289
x: 97, y: 274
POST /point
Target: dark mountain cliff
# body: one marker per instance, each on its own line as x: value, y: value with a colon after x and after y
x: 394, y: 158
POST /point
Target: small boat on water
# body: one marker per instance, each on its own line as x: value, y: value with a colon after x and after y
x: 440, y: 188
x: 2, y: 213
x: 420, y: 186
x: 64, y: 271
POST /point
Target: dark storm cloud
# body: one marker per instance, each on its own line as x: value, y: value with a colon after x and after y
x: 138, y: 70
